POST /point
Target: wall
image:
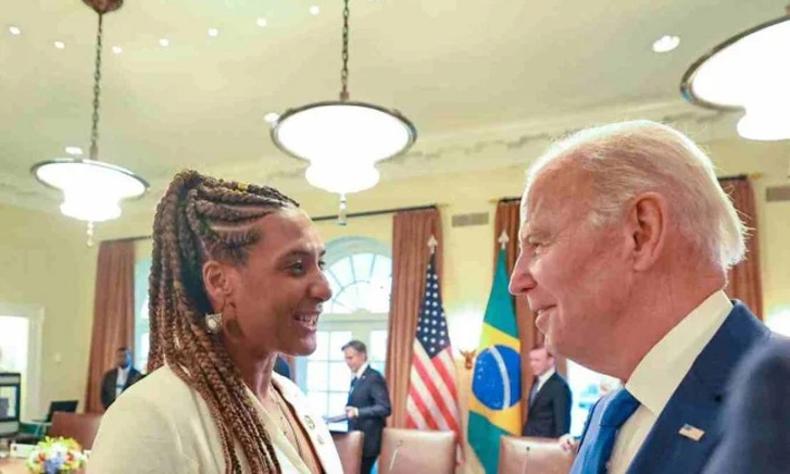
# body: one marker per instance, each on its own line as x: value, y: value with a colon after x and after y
x: 45, y: 263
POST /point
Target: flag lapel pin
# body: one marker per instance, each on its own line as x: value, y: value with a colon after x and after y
x: 691, y: 432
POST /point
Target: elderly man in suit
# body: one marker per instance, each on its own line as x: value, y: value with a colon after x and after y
x: 368, y: 402
x: 120, y: 378
x: 549, y: 414
x: 626, y: 238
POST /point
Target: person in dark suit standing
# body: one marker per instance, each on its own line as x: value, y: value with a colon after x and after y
x: 625, y: 242
x: 757, y: 414
x: 549, y: 414
x: 368, y: 401
x: 120, y: 378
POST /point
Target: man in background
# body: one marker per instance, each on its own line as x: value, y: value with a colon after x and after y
x: 120, y: 378
x: 549, y: 414
x: 625, y: 242
x: 368, y: 401
x: 281, y: 366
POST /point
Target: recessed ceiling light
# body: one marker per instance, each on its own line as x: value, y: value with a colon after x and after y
x: 117, y: 49
x: 74, y: 150
x: 666, y: 43
x: 164, y: 42
x: 271, y: 117
x: 261, y: 21
x: 60, y: 44
x: 315, y: 10
x: 213, y: 32
x: 14, y: 30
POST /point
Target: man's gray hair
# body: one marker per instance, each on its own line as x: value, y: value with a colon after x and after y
x: 628, y: 158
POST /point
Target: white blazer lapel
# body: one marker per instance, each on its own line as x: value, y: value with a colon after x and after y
x: 313, y: 425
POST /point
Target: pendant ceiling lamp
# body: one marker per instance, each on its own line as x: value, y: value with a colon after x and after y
x: 751, y: 72
x: 92, y: 190
x: 343, y: 139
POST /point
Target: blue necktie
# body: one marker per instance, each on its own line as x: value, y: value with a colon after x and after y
x: 598, y: 442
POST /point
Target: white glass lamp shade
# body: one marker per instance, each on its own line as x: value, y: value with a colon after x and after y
x: 92, y: 190
x: 343, y: 133
x: 750, y: 71
x: 342, y: 180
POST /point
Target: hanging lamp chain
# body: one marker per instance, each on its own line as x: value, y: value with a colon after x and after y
x: 94, y: 151
x: 344, y: 71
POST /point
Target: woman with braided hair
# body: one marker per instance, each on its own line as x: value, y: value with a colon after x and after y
x: 236, y: 278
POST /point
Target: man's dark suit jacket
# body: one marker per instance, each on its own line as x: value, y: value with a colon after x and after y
x: 757, y: 415
x: 549, y: 414
x: 372, y: 400
x: 698, y: 401
x: 108, y: 384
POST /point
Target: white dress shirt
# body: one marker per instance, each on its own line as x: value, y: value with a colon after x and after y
x: 120, y: 381
x: 660, y: 372
x: 543, y: 378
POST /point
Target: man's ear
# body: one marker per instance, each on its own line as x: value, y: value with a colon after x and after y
x: 218, y: 283
x: 647, y: 229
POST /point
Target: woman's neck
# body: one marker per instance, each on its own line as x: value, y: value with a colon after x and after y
x: 256, y: 371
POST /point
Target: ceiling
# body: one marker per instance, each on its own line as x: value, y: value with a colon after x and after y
x: 470, y: 74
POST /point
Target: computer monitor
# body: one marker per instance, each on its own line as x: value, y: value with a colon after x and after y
x: 61, y: 405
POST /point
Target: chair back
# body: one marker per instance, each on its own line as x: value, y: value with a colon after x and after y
x: 80, y: 426
x: 61, y: 405
x: 528, y: 455
x: 416, y: 451
x: 349, y: 447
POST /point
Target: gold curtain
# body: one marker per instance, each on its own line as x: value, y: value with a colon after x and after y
x: 113, y: 315
x: 744, y: 281
x: 410, y: 234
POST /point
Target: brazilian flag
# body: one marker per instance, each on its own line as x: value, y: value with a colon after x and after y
x: 495, y: 405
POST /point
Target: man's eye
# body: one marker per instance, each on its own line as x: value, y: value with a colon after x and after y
x: 321, y: 264
x: 297, y: 267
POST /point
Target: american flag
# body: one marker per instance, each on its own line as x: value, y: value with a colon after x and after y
x: 432, y: 402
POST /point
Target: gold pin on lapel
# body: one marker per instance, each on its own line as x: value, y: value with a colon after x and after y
x: 691, y: 432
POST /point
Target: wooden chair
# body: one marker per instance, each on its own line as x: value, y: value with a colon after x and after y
x: 416, y: 451
x: 80, y: 426
x: 527, y: 455
x: 349, y: 447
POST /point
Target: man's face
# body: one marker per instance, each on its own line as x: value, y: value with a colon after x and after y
x: 281, y: 288
x: 123, y: 359
x: 354, y: 358
x: 573, y: 274
x: 540, y: 361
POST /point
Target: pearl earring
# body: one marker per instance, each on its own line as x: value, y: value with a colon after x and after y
x: 214, y: 322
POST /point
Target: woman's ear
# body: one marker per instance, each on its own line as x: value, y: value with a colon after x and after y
x: 217, y: 282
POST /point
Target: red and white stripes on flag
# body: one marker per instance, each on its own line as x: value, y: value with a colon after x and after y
x: 432, y: 402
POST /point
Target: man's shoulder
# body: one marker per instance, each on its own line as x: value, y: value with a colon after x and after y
x: 373, y: 373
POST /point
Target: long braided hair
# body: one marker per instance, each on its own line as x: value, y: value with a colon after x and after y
x: 200, y: 218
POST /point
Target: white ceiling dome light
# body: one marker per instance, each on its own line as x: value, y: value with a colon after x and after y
x: 748, y: 72
x: 343, y: 139
x: 92, y: 190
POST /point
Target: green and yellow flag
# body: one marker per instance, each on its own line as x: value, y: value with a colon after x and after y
x: 495, y: 404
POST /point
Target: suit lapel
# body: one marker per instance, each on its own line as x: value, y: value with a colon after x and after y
x: 698, y: 400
